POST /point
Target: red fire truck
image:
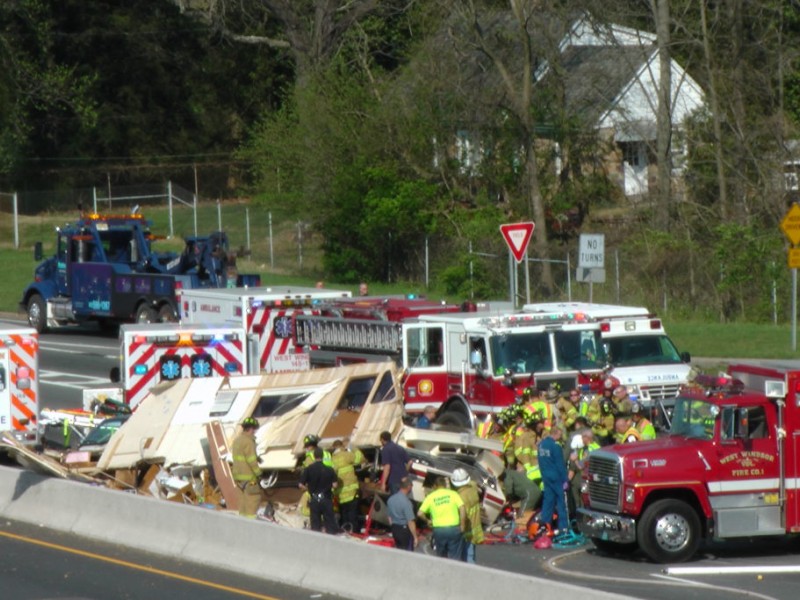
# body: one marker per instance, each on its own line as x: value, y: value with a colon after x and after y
x: 467, y: 363
x: 727, y: 469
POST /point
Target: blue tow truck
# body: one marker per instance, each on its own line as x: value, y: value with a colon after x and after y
x: 106, y: 271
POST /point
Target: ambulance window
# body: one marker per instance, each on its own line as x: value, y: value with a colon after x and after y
x: 273, y: 405
x: 356, y: 394
x: 222, y: 403
x: 386, y: 389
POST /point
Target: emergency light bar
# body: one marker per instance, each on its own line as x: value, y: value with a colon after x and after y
x: 186, y: 338
x: 523, y: 319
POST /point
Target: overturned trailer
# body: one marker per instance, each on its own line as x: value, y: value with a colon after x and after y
x: 188, y: 425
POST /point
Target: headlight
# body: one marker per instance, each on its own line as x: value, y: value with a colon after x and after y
x: 630, y: 495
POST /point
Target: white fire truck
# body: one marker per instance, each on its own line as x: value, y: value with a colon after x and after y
x: 19, y: 387
x: 267, y: 316
x: 156, y: 353
x: 470, y: 363
x: 643, y: 357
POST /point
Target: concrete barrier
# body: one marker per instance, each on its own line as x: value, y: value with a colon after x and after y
x: 346, y: 567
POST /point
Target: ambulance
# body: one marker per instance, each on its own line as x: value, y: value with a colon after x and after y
x: 266, y: 314
x: 19, y: 386
x: 643, y: 357
x: 157, y: 353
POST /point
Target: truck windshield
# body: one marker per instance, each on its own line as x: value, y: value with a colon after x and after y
x: 693, y: 418
x: 577, y: 350
x: 630, y: 351
x: 521, y: 352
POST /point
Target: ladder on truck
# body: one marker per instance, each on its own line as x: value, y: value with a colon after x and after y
x: 348, y: 334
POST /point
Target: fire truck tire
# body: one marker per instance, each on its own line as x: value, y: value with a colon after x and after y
x: 37, y: 313
x: 166, y: 314
x: 669, y: 531
x: 145, y: 314
x: 454, y: 418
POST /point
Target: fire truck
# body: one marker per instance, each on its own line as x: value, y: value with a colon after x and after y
x: 157, y: 353
x: 267, y: 316
x: 641, y: 355
x: 19, y: 387
x: 363, y: 329
x: 728, y: 469
x: 468, y: 363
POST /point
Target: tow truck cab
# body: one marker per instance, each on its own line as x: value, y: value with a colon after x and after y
x: 727, y: 469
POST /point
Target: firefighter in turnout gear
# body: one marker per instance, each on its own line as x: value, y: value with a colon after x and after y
x: 310, y: 442
x: 468, y: 490
x: 642, y: 423
x: 543, y: 407
x: 601, y: 416
x: 516, y: 483
x: 245, y: 470
x: 347, y: 488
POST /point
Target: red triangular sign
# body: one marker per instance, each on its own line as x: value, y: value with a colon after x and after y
x: 517, y: 236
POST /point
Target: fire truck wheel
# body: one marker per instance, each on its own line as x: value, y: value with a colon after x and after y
x: 37, y: 314
x: 669, y: 531
x: 166, y: 314
x: 145, y: 314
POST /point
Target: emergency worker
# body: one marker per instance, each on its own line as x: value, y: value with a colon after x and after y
x: 543, y: 408
x: 444, y: 510
x: 245, y: 470
x: 468, y: 490
x: 508, y: 418
x: 622, y: 402
x: 522, y: 479
x: 556, y: 483
x: 347, y: 489
x: 626, y: 432
x: 579, y: 460
x: 601, y: 417
x: 310, y: 442
x: 319, y: 480
x: 642, y: 423
x: 568, y: 408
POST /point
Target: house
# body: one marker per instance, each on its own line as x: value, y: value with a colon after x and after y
x: 611, y: 79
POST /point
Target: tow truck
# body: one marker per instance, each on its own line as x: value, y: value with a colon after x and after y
x: 106, y: 271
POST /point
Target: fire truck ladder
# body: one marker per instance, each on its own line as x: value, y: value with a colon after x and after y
x: 350, y: 334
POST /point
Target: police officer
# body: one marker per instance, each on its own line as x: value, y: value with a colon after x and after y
x: 245, y: 470
x: 320, y: 480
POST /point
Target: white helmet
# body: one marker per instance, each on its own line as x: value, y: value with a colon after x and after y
x: 459, y: 478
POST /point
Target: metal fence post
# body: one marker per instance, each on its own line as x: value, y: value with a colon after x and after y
x: 169, y: 202
x: 16, y: 222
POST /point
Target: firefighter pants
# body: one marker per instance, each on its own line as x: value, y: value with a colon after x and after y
x: 249, y: 499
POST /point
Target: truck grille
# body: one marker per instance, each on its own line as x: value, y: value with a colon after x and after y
x: 663, y: 392
x: 605, y: 481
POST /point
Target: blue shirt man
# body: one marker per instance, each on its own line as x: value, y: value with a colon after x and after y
x: 553, y: 468
x: 395, y: 463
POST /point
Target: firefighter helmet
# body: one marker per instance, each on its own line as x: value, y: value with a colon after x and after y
x: 249, y: 422
x: 311, y: 440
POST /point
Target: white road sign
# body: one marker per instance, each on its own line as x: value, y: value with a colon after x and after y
x: 591, y: 251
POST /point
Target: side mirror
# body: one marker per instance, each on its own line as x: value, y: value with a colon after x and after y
x: 114, y: 375
x: 38, y: 254
x: 686, y: 357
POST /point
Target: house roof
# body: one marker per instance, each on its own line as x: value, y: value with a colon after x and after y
x: 596, y: 76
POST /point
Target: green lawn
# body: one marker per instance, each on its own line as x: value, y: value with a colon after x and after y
x: 283, y: 267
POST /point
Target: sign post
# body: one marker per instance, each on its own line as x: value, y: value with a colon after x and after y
x: 517, y: 237
x: 790, y: 225
x: 591, y: 260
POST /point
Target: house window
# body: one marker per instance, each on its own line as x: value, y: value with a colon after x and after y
x: 632, y: 154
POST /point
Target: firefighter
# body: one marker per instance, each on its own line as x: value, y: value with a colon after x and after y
x: 642, y: 423
x: 601, y: 417
x: 347, y: 489
x: 622, y: 402
x: 468, y: 490
x: 310, y: 442
x: 626, y: 432
x: 583, y: 446
x: 543, y: 407
x: 522, y: 479
x: 245, y: 470
x: 567, y: 408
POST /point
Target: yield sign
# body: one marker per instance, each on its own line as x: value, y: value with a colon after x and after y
x: 517, y: 236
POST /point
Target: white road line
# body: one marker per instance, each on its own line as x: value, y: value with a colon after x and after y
x: 747, y: 593
x: 731, y: 570
x: 71, y: 380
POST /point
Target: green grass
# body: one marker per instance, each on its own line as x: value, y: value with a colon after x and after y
x: 730, y: 340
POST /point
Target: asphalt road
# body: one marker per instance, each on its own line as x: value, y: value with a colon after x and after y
x: 41, y: 563
x: 73, y: 359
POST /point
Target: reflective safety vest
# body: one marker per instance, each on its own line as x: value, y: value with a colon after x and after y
x: 326, y: 458
x: 646, y: 429
x: 543, y: 409
x: 632, y: 435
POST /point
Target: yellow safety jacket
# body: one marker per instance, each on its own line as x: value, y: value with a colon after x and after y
x: 344, y: 465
